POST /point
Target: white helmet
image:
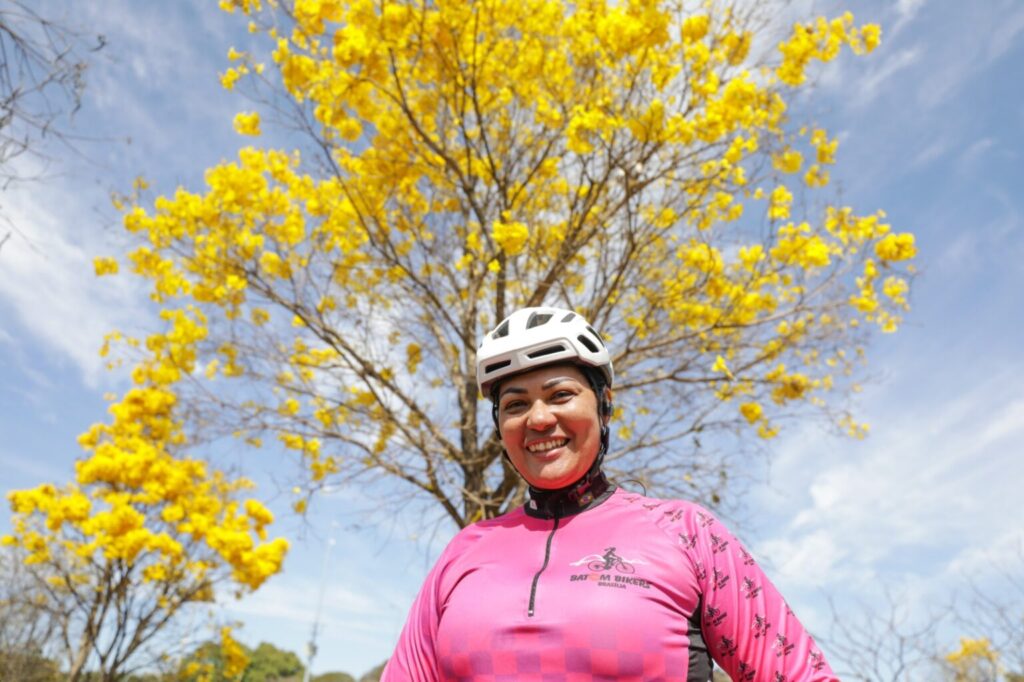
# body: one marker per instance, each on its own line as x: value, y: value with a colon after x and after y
x: 533, y: 337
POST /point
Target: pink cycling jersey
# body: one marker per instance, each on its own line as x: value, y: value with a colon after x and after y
x: 634, y: 588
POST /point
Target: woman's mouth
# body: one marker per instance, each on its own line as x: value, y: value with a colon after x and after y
x: 544, y: 446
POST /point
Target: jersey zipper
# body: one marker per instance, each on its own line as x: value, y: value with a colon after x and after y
x: 536, y: 577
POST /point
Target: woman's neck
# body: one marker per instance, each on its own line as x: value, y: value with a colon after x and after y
x: 589, y: 491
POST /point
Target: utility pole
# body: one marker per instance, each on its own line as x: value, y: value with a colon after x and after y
x: 311, y: 646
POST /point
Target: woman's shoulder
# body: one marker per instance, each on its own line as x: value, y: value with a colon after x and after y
x: 656, y: 506
x: 667, y: 513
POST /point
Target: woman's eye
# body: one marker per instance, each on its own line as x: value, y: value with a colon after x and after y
x: 562, y: 395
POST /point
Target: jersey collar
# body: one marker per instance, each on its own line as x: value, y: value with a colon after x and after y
x: 589, y: 491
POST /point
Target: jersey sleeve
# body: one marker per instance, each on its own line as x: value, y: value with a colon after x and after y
x: 415, y: 656
x: 749, y: 629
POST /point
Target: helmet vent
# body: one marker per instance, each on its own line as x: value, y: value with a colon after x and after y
x: 501, y: 331
x: 550, y: 350
x: 588, y: 343
x: 537, y: 319
x: 568, y: 317
x: 596, y: 336
x: 495, y: 366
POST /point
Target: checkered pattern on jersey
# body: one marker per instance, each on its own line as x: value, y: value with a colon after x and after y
x: 532, y: 654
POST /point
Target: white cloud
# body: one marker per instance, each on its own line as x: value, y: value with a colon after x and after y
x: 935, y: 149
x: 1004, y: 555
x: 930, y: 482
x: 47, y: 277
x: 872, y: 83
x: 1004, y: 424
x: 813, y: 560
x: 906, y: 11
x: 966, y: 42
x: 971, y: 155
x: 1004, y: 37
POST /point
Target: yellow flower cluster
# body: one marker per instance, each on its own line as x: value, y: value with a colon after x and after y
x: 235, y: 658
x: 821, y: 40
x: 980, y: 648
x: 247, y: 123
x: 976, y: 659
x: 510, y: 237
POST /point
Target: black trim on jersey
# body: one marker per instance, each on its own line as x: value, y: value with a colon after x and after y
x: 536, y: 576
x: 700, y: 666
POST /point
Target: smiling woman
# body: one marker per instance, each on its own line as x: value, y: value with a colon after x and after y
x: 587, y: 581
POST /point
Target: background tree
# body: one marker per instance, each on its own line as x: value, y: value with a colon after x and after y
x: 884, y: 642
x: 267, y: 663
x: 973, y: 661
x: 635, y: 161
x: 26, y: 631
x: 991, y: 618
x: 42, y: 78
x: 334, y: 677
x: 141, y: 533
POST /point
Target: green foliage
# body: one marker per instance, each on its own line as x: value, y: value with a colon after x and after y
x: 267, y: 663
x: 27, y: 666
x: 334, y: 677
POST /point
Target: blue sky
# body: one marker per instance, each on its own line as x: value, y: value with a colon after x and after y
x: 932, y: 131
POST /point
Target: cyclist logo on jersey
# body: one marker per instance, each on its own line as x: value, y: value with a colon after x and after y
x: 817, y: 661
x: 727, y: 647
x: 687, y: 541
x: 746, y: 672
x: 718, y: 544
x: 705, y: 519
x: 778, y: 677
x: 714, y: 617
x: 747, y: 559
x: 760, y: 626
x: 720, y: 578
x: 751, y: 588
x: 603, y: 563
x: 782, y: 646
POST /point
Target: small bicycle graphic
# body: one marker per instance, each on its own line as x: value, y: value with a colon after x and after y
x: 611, y: 560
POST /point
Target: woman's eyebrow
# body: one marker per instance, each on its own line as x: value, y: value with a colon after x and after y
x: 546, y: 385
x: 511, y: 389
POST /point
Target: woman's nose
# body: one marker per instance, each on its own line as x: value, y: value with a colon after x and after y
x: 540, y: 417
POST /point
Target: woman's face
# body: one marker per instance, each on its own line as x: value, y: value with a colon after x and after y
x: 549, y: 424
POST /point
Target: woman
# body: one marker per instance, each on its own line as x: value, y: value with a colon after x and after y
x: 587, y: 581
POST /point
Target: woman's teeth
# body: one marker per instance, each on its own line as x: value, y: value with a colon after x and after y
x: 547, y: 445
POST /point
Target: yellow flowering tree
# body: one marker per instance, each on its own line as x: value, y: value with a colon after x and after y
x: 974, y: 661
x: 143, y: 531
x: 637, y: 161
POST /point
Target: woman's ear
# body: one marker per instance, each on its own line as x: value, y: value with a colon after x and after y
x: 606, y: 404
